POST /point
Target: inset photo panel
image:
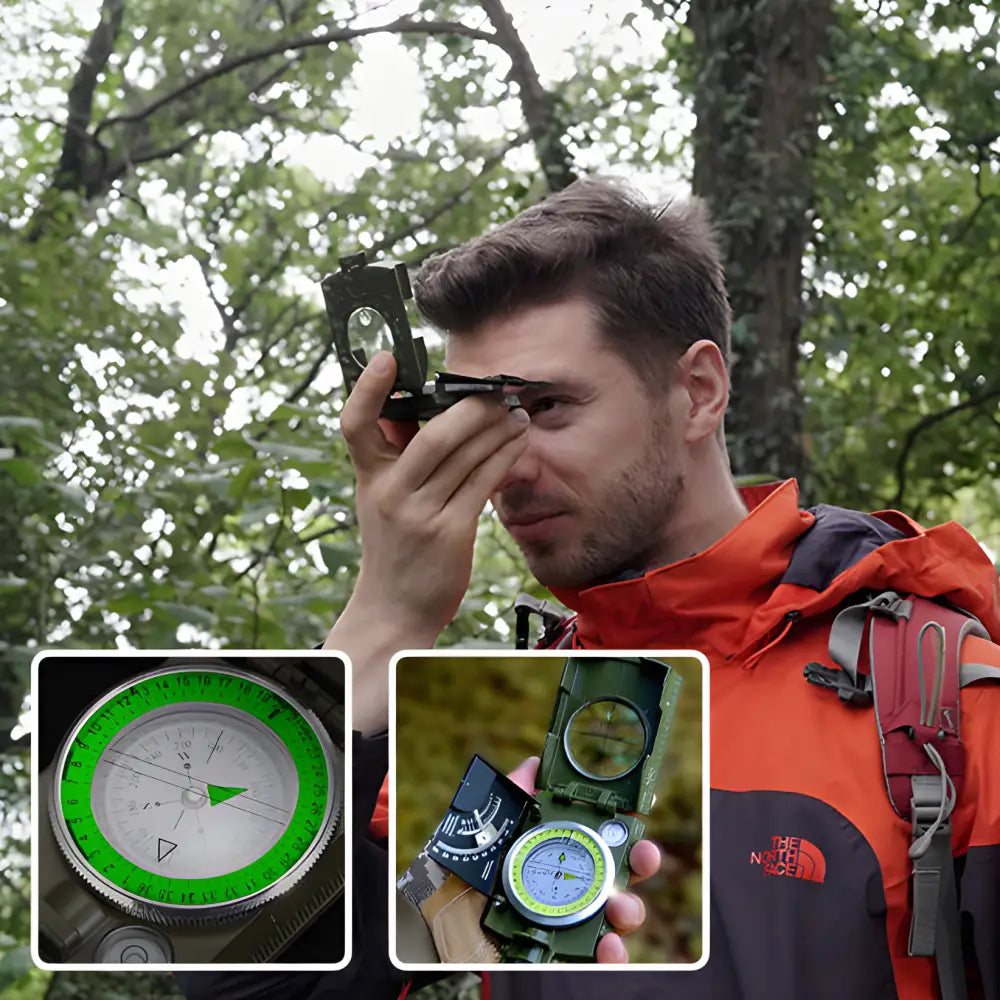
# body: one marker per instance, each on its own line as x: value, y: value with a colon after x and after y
x: 532, y: 793
x: 190, y: 810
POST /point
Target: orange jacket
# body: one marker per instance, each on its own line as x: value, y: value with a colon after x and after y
x: 794, y: 770
x: 796, y: 776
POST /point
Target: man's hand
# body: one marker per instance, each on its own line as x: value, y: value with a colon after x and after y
x: 624, y: 910
x: 418, y: 500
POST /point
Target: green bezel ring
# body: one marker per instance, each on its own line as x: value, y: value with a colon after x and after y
x: 566, y: 914
x: 152, y: 895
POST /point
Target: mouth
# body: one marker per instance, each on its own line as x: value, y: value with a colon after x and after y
x: 531, y: 527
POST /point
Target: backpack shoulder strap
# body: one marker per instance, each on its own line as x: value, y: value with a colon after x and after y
x: 913, y: 678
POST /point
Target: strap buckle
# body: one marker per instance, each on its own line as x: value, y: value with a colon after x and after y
x: 890, y: 604
x: 840, y: 681
x: 524, y: 607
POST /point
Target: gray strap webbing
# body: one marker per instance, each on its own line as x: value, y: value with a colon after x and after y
x: 948, y: 944
x: 969, y: 673
x: 934, y: 926
x: 848, y: 629
x: 845, y: 638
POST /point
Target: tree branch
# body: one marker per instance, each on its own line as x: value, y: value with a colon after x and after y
x: 450, y: 202
x: 400, y: 26
x: 72, y: 160
x: 982, y: 198
x: 922, y: 425
x: 536, y: 102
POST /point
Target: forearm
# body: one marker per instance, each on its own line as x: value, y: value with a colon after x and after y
x: 371, y: 636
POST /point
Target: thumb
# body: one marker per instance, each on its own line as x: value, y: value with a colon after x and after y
x: 359, y: 418
x: 524, y: 774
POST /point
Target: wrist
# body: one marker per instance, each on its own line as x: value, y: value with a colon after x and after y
x: 372, y: 625
x: 371, y: 635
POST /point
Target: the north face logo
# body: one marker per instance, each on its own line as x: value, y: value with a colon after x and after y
x: 792, y: 857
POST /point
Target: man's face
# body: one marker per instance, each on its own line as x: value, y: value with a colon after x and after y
x: 603, y: 472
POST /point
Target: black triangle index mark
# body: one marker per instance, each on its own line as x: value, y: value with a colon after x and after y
x: 163, y: 848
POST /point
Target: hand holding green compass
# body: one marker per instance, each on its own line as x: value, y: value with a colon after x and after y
x: 552, y: 866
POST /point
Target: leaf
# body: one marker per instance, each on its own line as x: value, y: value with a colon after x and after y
x: 240, y: 482
x: 187, y: 613
x: 128, y: 605
x: 298, y: 453
x: 335, y: 556
x: 14, y: 965
x: 75, y: 496
x: 21, y: 424
x: 23, y: 471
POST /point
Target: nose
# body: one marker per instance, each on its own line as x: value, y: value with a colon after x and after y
x: 525, y: 470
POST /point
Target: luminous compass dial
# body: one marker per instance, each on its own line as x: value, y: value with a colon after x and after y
x: 195, y: 793
x: 558, y: 874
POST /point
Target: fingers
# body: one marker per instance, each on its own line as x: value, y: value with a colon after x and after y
x: 626, y: 912
x: 472, y: 452
x: 611, y: 950
x: 359, y: 424
x: 644, y: 860
x: 470, y: 498
x: 451, y: 445
x: 524, y: 774
x: 399, y: 433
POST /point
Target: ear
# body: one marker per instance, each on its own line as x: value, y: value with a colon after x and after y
x: 705, y: 381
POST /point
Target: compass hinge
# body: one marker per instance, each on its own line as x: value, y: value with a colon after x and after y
x: 606, y: 801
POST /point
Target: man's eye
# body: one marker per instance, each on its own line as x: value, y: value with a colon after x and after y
x: 545, y: 404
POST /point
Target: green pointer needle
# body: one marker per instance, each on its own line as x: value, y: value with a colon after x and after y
x: 566, y: 875
x: 220, y: 793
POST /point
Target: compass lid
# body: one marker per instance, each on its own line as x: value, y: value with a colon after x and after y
x: 609, y: 731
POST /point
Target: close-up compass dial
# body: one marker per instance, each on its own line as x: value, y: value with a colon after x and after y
x: 194, y: 793
x: 558, y: 874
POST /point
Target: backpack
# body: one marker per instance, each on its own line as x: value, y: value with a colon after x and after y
x: 911, y: 672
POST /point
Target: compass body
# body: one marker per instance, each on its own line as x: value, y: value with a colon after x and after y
x: 194, y: 794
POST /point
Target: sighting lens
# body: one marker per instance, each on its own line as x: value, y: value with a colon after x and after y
x: 368, y: 333
x: 605, y: 739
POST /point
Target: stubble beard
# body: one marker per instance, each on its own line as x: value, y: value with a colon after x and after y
x: 629, y: 521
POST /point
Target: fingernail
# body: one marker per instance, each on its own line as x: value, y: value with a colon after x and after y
x: 633, y: 909
x: 380, y: 364
x: 520, y: 416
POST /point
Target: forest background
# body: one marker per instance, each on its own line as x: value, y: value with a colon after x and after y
x: 176, y: 178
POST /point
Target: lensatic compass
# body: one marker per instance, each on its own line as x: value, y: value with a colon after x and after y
x: 550, y: 864
x: 190, y: 798
x: 366, y: 307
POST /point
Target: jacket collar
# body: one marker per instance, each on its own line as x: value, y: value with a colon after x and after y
x: 706, y: 601
x: 729, y: 600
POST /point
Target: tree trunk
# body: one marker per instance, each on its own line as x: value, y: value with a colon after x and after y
x: 759, y: 66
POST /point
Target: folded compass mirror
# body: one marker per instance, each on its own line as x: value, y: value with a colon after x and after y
x: 366, y: 307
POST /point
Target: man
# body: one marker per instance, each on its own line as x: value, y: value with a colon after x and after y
x: 615, y: 484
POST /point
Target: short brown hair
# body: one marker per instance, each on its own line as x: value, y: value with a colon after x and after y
x: 651, y: 274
